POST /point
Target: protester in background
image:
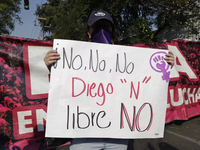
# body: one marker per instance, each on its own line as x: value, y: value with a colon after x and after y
x: 101, y: 30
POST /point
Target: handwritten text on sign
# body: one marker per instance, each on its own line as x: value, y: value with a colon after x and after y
x: 101, y: 90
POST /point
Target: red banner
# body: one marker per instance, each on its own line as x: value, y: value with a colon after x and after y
x: 23, y: 99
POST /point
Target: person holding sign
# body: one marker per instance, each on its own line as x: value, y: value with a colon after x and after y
x: 100, y: 30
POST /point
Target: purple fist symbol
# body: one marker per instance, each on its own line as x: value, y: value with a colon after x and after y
x: 158, y: 64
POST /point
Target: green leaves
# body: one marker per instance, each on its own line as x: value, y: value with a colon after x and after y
x: 134, y: 19
x: 9, y: 10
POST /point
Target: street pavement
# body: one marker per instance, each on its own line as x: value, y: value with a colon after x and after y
x: 178, y: 135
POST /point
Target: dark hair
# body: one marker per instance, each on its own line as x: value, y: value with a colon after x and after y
x: 115, y: 35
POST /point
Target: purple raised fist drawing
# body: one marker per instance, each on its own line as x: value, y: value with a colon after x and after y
x: 158, y: 64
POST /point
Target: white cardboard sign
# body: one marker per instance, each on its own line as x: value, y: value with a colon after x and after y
x: 107, y: 91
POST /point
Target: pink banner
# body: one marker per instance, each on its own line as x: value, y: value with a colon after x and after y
x: 183, y: 91
x: 23, y: 112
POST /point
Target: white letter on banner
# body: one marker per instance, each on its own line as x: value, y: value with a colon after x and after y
x: 22, y: 122
x: 183, y: 67
x: 41, y: 114
x: 187, y: 101
x: 180, y: 97
x: 197, y: 95
x: 191, y: 95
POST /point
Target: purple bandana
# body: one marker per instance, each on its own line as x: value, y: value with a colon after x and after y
x: 101, y: 35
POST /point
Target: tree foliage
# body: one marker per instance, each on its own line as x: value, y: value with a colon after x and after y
x: 134, y: 19
x: 9, y: 10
